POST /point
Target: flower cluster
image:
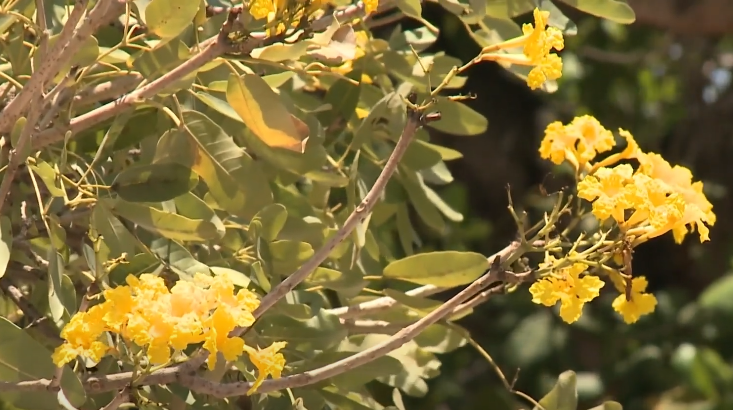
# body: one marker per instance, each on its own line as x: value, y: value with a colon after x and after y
x: 537, y: 42
x: 644, y: 202
x: 148, y: 314
x: 647, y: 202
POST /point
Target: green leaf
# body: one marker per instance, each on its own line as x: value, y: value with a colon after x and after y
x: 351, y: 380
x: 558, y: 19
x: 420, y: 155
x: 445, y: 269
x: 270, y: 220
x: 321, y: 332
x: 418, y: 194
x: 609, y: 405
x: 61, y: 299
x: 168, y: 18
x: 509, y: 8
x: 532, y: 333
x: 178, y: 258
x: 236, y: 182
x: 417, y: 364
x: 167, y: 224
x: 344, y: 95
x: 22, y: 358
x: 157, y: 182
x: 6, y: 243
x: 563, y: 396
x: 388, y: 113
x: 458, y: 119
x: 191, y: 206
x: 118, y: 239
x: 49, y: 177
x: 411, y: 8
x: 347, y: 283
x: 718, y: 295
x: 289, y: 255
x: 440, y: 339
x: 345, y: 401
x: 264, y: 113
x: 615, y: 10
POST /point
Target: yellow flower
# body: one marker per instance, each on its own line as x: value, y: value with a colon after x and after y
x: 146, y: 313
x: 569, y: 288
x: 549, y: 68
x: 578, y: 142
x: 641, y: 303
x: 537, y: 42
x: 608, y: 191
x: 657, y: 209
x: 698, y: 212
x: 371, y: 6
x: 82, y: 335
x: 540, y: 39
x: 268, y: 362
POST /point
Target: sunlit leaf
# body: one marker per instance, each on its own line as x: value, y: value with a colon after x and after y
x: 264, y: 114
x: 443, y: 269
x: 167, y: 224
x: 167, y: 18
x: 563, y: 396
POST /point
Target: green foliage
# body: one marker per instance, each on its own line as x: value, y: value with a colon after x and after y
x: 228, y: 149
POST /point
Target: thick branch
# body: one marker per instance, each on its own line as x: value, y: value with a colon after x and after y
x: 494, y: 274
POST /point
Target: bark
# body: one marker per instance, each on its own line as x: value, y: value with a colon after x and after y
x: 695, y: 17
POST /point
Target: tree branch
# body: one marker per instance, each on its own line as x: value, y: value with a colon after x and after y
x: 29, y: 311
x: 386, y: 302
x: 211, y: 49
x: 495, y: 274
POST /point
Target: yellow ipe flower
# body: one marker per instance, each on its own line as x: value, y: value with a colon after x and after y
x: 567, y: 287
x: 146, y: 313
x: 537, y: 42
x: 698, y: 212
x: 578, y: 142
x: 267, y: 361
x: 639, y: 304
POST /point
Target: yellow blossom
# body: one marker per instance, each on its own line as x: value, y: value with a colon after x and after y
x: 640, y: 303
x: 537, y: 41
x: 82, y: 335
x: 569, y: 288
x: 608, y: 191
x: 698, y: 212
x: 268, y: 362
x: 370, y: 6
x: 657, y: 209
x: 146, y: 313
x: 578, y: 142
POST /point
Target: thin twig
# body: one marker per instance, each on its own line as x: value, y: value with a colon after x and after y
x: 64, y: 48
x: 211, y: 49
x: 121, y: 398
x: 29, y: 311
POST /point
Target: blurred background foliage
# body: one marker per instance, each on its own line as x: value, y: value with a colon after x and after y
x: 669, y: 83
